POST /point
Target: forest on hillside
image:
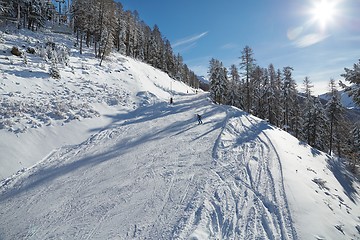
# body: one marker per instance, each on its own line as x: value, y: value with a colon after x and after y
x: 104, y: 26
x: 273, y: 95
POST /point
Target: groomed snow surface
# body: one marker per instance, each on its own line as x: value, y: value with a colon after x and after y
x: 140, y: 168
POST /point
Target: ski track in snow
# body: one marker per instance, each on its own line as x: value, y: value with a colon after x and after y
x: 154, y: 173
x: 245, y: 198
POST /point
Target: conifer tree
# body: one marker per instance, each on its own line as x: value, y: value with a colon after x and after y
x: 256, y: 92
x: 247, y: 65
x: 307, y: 111
x: 355, y: 146
x: 334, y: 112
x: 353, y: 76
x: 319, y: 128
x: 278, y: 103
x: 218, y: 81
x: 289, y: 98
x: 273, y: 95
x: 235, y: 86
x: 265, y: 97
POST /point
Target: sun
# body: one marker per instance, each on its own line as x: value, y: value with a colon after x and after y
x: 324, y: 12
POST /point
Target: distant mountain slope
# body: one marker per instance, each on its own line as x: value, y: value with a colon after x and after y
x: 346, y: 100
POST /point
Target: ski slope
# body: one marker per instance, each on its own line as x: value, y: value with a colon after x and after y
x: 154, y: 173
x: 140, y: 168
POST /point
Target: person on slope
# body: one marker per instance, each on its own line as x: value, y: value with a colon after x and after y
x: 199, y: 118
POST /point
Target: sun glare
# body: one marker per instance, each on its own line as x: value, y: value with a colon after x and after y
x: 324, y: 12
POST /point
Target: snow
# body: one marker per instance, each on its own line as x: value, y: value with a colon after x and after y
x: 346, y: 100
x: 128, y: 165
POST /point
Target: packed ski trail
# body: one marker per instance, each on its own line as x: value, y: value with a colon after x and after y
x: 155, y: 173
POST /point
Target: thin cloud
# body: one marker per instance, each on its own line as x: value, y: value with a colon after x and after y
x: 186, y: 48
x: 310, y: 39
x: 294, y: 33
x: 189, y: 39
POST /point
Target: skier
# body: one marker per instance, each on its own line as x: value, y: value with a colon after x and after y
x: 199, y: 118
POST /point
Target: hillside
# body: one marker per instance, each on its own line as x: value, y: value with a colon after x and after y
x: 40, y: 113
x: 113, y: 160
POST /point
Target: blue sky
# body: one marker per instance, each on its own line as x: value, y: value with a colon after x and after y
x: 318, y: 38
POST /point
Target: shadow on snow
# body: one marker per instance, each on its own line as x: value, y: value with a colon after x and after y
x: 143, y: 115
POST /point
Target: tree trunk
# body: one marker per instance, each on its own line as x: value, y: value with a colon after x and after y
x: 81, y: 42
x: 331, y: 136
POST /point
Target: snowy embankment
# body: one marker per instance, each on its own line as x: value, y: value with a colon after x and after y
x: 145, y: 169
x: 39, y: 114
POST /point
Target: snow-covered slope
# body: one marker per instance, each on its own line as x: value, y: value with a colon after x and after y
x: 146, y: 169
x: 39, y: 114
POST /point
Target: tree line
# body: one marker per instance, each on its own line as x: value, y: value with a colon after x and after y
x: 272, y: 94
x: 104, y: 26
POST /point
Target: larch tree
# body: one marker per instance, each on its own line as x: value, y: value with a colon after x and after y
x: 319, y: 129
x: 234, y: 86
x: 256, y: 91
x: 289, y: 99
x: 334, y: 111
x: 273, y: 92
x: 307, y: 111
x: 247, y: 64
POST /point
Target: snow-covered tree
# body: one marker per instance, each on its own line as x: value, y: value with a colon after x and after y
x: 319, y: 127
x: 118, y: 25
x: 256, y: 92
x: 355, y: 146
x: 235, y: 98
x: 273, y: 95
x: 313, y: 118
x: 29, y: 13
x: 334, y: 111
x: 247, y: 65
x: 218, y: 81
x: 232, y: 94
x: 155, y: 48
x: 353, y: 76
x: 169, y: 61
x: 307, y: 111
x: 289, y: 99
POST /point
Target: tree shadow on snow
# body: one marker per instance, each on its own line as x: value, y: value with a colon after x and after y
x: 252, y: 130
x: 28, y: 74
x: 149, y: 113
x: 315, y: 152
x: 45, y: 174
x: 343, y: 176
